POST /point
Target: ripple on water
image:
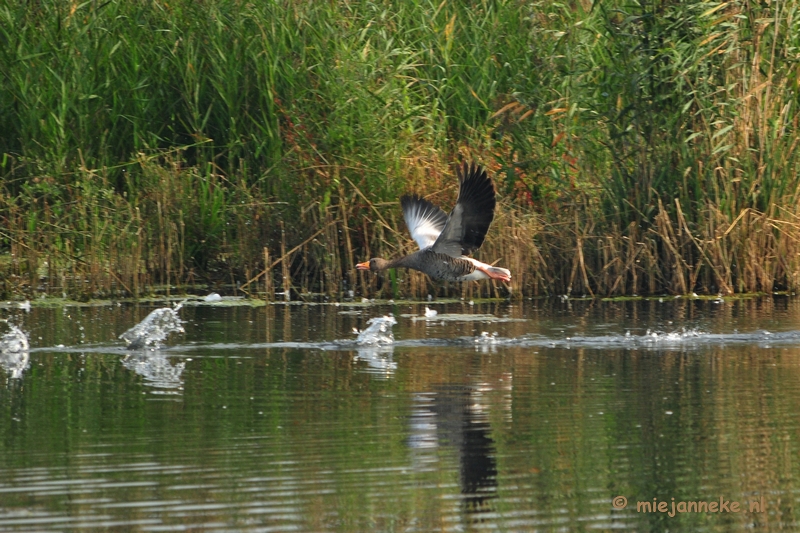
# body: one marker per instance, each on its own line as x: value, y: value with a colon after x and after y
x: 456, y: 425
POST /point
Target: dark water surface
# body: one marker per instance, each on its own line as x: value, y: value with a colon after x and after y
x: 509, y: 417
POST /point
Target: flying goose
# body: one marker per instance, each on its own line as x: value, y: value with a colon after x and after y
x: 446, y: 241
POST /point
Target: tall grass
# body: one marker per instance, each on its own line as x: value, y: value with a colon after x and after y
x: 674, y: 133
x: 637, y: 147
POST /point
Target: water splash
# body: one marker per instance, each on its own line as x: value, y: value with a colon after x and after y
x: 150, y: 332
x: 435, y: 316
x: 486, y: 338
x: 156, y: 369
x: 378, y: 359
x: 668, y: 337
x: 379, y: 332
x: 14, y: 352
x: 486, y: 342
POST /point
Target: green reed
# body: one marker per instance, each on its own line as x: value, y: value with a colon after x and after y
x: 637, y: 148
x: 674, y: 133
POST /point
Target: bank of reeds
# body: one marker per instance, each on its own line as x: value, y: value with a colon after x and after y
x: 637, y: 148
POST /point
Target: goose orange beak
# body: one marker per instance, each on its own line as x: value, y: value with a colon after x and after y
x: 363, y: 266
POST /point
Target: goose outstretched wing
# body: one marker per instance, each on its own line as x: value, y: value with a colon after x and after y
x: 425, y: 221
x: 469, y: 221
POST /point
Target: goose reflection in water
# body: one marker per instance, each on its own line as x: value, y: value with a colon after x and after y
x: 456, y: 416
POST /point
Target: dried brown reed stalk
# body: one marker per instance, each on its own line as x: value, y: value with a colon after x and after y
x: 133, y: 254
x: 679, y: 270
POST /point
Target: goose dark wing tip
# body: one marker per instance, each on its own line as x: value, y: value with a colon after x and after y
x: 477, y: 196
x: 472, y: 171
x: 470, y: 219
x: 408, y: 199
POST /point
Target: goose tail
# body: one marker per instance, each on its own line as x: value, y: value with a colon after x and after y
x: 500, y: 273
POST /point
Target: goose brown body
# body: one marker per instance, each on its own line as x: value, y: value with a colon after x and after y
x: 444, y: 240
x: 437, y: 266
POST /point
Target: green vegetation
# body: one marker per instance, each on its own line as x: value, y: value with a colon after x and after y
x: 638, y: 148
